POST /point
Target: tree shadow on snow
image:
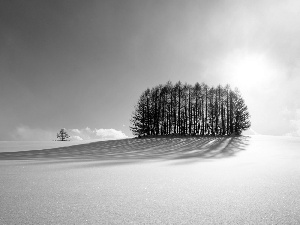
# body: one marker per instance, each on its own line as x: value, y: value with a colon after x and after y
x: 137, y: 149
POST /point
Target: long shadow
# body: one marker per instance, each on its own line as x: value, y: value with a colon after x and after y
x: 133, y: 150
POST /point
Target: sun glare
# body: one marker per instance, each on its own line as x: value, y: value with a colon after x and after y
x: 249, y: 70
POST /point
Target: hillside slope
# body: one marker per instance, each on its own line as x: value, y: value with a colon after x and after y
x: 238, y: 180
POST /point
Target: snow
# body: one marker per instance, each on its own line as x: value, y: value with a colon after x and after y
x: 15, y: 146
x: 245, y: 180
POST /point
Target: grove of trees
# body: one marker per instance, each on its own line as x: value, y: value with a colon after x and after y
x: 190, y: 110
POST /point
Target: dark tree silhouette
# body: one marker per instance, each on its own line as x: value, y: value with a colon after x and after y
x: 63, y: 135
x: 190, y: 110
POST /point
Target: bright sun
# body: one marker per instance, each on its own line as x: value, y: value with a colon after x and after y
x: 249, y: 70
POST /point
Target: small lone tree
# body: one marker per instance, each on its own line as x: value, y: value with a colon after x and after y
x: 63, y: 135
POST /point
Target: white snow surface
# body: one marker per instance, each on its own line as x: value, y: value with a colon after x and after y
x: 209, y: 180
x: 15, y: 146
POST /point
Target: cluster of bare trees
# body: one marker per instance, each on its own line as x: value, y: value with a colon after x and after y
x: 190, y: 110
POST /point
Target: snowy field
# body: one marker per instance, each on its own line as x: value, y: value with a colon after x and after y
x: 238, y: 180
x: 15, y: 146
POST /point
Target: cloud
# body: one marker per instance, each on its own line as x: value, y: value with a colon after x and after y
x: 25, y: 133
x: 98, y: 134
x: 295, y: 125
x: 76, y: 138
x: 75, y: 131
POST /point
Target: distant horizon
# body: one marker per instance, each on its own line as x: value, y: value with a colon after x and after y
x: 246, y: 133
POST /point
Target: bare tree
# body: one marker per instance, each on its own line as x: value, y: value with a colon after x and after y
x: 63, y: 135
x: 190, y: 110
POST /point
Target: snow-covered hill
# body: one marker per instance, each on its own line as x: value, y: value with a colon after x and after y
x: 237, y: 180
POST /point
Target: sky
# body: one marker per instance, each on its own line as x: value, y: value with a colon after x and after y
x: 82, y: 65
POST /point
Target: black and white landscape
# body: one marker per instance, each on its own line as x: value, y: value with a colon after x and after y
x: 149, y: 112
